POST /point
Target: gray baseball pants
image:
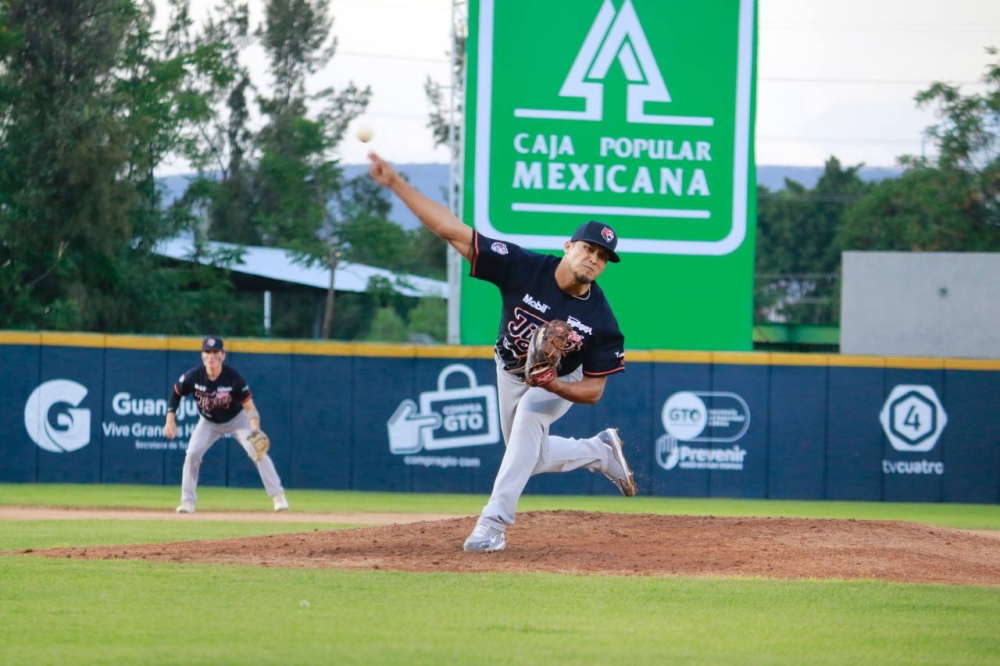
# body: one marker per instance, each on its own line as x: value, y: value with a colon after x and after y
x: 525, y: 416
x: 205, y: 434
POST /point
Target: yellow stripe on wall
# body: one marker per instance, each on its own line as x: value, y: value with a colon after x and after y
x: 387, y: 350
x: 184, y: 344
x: 971, y: 364
x: 252, y: 346
x: 672, y: 356
x: 20, y: 338
x: 74, y: 339
x: 914, y: 363
x: 316, y: 348
x: 741, y: 358
x: 780, y: 358
x: 136, y: 342
x: 857, y: 361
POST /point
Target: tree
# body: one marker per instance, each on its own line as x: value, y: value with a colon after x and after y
x: 797, y: 260
x: 950, y: 202
x: 429, y: 255
x: 222, y: 148
x: 446, y: 118
x: 298, y: 175
x: 388, y: 326
x: 430, y: 317
x: 91, y: 102
x: 926, y: 209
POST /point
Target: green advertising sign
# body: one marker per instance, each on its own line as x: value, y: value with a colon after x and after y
x: 637, y: 113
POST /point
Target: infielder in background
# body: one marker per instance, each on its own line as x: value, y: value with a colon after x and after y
x: 537, y: 288
x: 226, y: 406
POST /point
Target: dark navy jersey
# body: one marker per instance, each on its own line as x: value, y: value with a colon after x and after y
x: 219, y: 400
x: 531, y: 297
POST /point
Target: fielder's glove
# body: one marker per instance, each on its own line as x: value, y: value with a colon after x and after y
x: 546, y: 348
x: 260, y: 442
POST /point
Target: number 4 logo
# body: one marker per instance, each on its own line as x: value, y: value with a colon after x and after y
x: 913, y: 418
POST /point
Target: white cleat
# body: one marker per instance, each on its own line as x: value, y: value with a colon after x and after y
x: 485, y: 539
x: 280, y: 502
x: 185, y: 507
x: 617, y: 469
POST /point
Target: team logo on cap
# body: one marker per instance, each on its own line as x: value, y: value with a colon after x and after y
x: 608, y: 234
x: 211, y: 342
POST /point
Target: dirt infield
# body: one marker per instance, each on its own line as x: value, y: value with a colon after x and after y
x: 578, y: 542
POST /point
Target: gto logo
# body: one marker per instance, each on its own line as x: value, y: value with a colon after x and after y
x: 58, y: 398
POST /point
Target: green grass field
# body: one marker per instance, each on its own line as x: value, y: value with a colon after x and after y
x: 55, y: 611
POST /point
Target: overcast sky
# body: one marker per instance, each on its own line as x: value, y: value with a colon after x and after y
x: 835, y: 77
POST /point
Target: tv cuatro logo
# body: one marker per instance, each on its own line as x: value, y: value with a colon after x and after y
x: 54, y: 419
x: 913, y: 419
x: 691, y: 417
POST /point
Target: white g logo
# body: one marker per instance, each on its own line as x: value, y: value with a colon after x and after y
x: 72, y: 428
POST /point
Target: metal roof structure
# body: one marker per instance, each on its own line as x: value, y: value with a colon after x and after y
x: 278, y: 264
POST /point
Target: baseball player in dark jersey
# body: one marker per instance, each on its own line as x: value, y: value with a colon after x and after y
x: 226, y: 406
x: 537, y: 288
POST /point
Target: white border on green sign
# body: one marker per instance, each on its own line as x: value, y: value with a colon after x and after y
x: 730, y: 243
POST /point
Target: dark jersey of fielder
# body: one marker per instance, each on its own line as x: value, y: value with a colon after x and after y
x: 531, y: 297
x: 219, y: 400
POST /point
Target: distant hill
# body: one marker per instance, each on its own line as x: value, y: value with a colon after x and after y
x: 773, y: 177
x: 432, y: 180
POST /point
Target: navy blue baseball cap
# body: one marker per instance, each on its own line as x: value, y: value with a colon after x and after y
x: 601, y: 234
x: 212, y: 343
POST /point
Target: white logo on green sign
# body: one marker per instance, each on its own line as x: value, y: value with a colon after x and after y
x: 639, y: 117
x: 615, y: 35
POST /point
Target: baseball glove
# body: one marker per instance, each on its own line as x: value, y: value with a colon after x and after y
x: 260, y: 442
x: 545, y: 351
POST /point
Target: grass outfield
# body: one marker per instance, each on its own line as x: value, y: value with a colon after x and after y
x: 56, y: 611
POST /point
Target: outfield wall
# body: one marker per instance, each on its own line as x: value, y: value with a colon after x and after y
x: 80, y: 408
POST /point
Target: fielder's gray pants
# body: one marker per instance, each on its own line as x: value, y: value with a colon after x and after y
x: 207, y: 433
x: 525, y: 416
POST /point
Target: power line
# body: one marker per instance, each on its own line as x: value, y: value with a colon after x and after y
x: 392, y: 56
x: 834, y: 139
x: 399, y: 57
x: 878, y: 82
x: 888, y: 27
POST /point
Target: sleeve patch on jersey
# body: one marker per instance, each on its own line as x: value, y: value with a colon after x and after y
x: 499, y: 248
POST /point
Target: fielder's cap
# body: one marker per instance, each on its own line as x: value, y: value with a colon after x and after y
x: 601, y: 234
x: 212, y: 344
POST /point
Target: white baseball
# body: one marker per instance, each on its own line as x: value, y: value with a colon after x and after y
x: 364, y: 134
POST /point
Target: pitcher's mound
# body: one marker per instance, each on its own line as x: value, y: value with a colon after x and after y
x: 578, y: 542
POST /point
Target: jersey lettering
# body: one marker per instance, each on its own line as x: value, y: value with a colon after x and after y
x: 576, y: 323
x: 523, y: 324
x: 219, y: 400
